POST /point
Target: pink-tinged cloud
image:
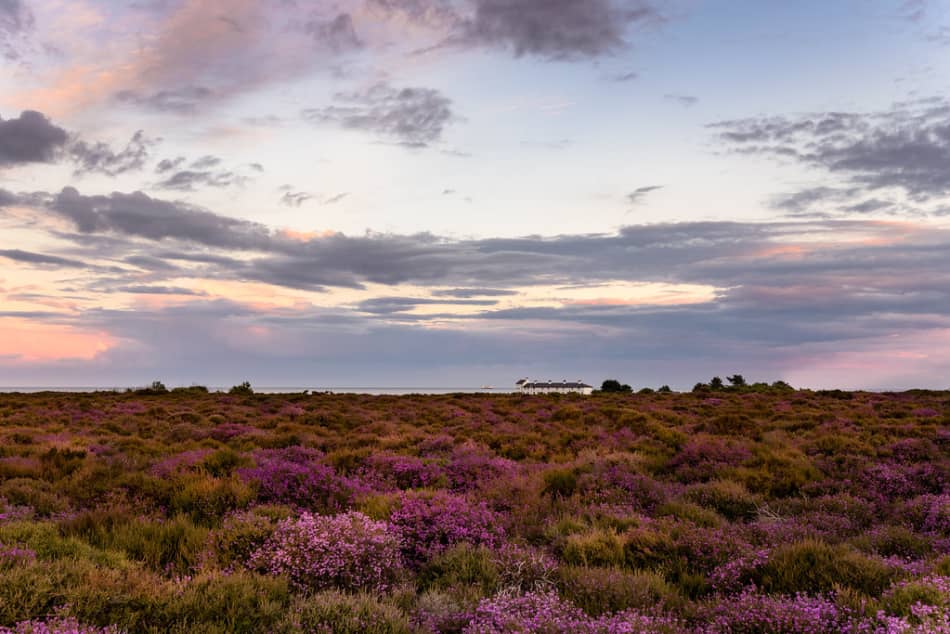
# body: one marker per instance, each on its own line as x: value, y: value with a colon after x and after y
x: 32, y: 342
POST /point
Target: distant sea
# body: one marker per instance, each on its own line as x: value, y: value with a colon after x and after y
x: 284, y: 390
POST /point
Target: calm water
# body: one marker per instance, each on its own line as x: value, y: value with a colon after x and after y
x: 286, y: 390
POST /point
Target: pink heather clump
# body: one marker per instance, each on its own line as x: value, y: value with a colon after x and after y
x: 297, y: 476
x: 752, y: 613
x: 546, y: 613
x: 471, y: 466
x: 11, y: 556
x: 58, y: 625
x: 226, y: 431
x: 387, y: 472
x: 736, y: 574
x: 349, y: 551
x: 924, y: 619
x: 179, y: 462
x: 430, y: 523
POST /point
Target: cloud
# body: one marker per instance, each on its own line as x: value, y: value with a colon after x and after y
x: 777, y: 291
x: 295, y: 199
x: 160, y: 290
x: 139, y: 215
x: 200, y: 172
x: 639, y: 194
x: 468, y: 293
x: 29, y: 257
x: 415, y: 117
x: 184, y: 100
x: 335, y: 198
x: 15, y: 19
x: 30, y: 138
x: 337, y: 34
x: 624, y: 77
x: 906, y: 148
x: 548, y: 29
x: 687, y: 101
x: 100, y: 157
x: 556, y: 29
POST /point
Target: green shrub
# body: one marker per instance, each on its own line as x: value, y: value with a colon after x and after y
x: 814, y: 567
x: 173, y: 546
x: 341, y: 613
x: 728, y: 498
x: 690, y: 512
x: 206, y: 500
x: 223, y: 462
x: 560, y: 483
x: 599, y: 591
x: 461, y: 565
x: 231, y: 545
x: 239, y: 602
x: 595, y: 547
x: 39, y: 495
x: 899, y: 599
x: 648, y: 548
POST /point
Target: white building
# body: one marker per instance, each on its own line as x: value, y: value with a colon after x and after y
x: 529, y: 386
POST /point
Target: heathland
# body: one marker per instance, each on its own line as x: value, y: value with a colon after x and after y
x: 735, y: 510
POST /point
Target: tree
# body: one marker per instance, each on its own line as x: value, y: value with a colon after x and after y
x: 243, y: 388
x: 664, y: 389
x: 736, y: 380
x: 716, y: 383
x: 613, y: 385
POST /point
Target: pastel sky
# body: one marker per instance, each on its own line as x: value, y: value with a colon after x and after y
x: 465, y: 192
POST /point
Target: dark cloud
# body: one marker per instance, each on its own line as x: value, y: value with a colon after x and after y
x: 906, y: 148
x: 100, y: 157
x: 549, y: 29
x: 189, y: 180
x: 205, y: 162
x: 15, y: 20
x: 30, y: 138
x: 686, y: 101
x: 636, y: 196
x: 337, y: 34
x: 556, y: 29
x: 139, y: 215
x: 295, y: 199
x: 167, y: 165
x: 29, y: 257
x: 414, y: 117
x: 184, y: 100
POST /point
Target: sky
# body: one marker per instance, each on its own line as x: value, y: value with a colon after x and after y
x: 467, y: 192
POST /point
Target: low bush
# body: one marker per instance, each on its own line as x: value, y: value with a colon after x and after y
x: 348, y: 551
x: 339, y: 613
x: 815, y: 567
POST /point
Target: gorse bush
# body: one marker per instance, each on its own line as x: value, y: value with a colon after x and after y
x: 348, y: 551
x: 746, y: 508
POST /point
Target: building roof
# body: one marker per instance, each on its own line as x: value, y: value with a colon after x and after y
x: 576, y: 385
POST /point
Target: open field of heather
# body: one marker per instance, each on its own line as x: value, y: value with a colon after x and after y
x: 768, y: 510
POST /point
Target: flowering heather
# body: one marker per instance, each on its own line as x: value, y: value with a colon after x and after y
x: 766, y: 511
x: 348, y: 551
x: 59, y: 625
x: 752, y: 613
x: 11, y: 556
x: 298, y: 476
x: 430, y: 523
x: 546, y: 613
x: 386, y: 471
